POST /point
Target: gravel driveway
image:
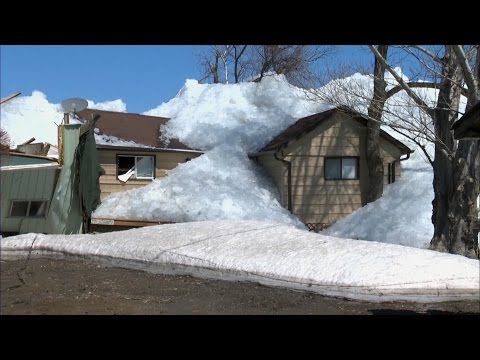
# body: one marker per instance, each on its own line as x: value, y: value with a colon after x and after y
x: 52, y: 286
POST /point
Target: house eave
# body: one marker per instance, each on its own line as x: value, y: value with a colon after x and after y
x: 145, y: 149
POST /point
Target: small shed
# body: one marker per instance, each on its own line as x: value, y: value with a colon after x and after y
x: 319, y: 165
x: 54, y: 196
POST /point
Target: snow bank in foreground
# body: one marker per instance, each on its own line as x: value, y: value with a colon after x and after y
x: 273, y: 254
x: 27, y: 116
x: 221, y: 184
x: 401, y: 216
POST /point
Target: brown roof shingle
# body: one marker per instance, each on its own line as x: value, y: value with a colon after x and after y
x: 142, y: 129
x: 304, y: 125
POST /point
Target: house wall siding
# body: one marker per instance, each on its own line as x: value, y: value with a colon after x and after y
x: 28, y: 185
x: 164, y: 161
x: 314, y: 199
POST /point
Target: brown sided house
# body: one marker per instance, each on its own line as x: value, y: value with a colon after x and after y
x: 141, y: 156
x: 319, y: 165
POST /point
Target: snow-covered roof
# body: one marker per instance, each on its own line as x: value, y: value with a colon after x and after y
x: 134, y: 129
x: 307, y: 124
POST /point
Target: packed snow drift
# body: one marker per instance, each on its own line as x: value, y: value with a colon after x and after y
x: 271, y: 254
x: 228, y: 122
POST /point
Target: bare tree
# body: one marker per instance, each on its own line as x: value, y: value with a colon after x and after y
x: 409, y: 108
x: 238, y: 65
x: 254, y: 62
x: 210, y: 63
x: 5, y: 141
x: 372, y: 139
x: 456, y: 165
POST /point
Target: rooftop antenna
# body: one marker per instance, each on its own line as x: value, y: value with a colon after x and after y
x: 10, y: 97
x: 73, y: 105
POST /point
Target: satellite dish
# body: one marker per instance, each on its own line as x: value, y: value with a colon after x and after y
x: 74, y: 104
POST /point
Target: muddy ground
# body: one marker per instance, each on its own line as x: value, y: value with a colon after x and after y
x: 52, y: 286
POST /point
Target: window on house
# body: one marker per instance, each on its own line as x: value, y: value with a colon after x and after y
x: 341, y: 168
x: 28, y: 208
x: 140, y: 167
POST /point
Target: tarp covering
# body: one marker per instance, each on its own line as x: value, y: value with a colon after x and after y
x: 90, y: 170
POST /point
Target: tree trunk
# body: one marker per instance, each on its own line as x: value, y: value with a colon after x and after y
x: 214, y: 68
x: 463, y: 212
x: 455, y: 171
x: 375, y: 111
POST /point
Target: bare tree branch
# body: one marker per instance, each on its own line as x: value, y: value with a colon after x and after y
x: 427, y: 52
x: 404, y: 85
x: 419, y: 84
x: 467, y: 71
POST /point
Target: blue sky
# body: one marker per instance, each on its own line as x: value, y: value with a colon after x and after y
x: 143, y: 76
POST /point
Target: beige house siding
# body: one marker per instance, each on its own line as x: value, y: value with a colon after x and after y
x: 389, y: 154
x: 164, y: 161
x: 314, y: 199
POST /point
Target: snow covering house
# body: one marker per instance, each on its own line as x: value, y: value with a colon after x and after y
x: 319, y: 165
x: 468, y: 126
x: 131, y: 152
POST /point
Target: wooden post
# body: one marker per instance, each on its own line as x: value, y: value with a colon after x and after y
x: 60, y: 145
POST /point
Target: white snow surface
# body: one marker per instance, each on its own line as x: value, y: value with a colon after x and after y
x: 104, y: 139
x: 228, y: 121
x: 401, y: 216
x: 204, y: 116
x: 272, y: 254
x: 34, y: 116
x: 221, y: 184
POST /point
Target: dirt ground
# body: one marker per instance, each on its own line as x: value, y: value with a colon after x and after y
x: 52, y: 286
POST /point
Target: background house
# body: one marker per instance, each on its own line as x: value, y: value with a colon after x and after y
x: 319, y: 165
x: 47, y: 195
x: 128, y: 141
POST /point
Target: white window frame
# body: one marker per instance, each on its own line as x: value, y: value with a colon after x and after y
x: 153, y: 168
x: 341, y: 158
x: 136, y: 166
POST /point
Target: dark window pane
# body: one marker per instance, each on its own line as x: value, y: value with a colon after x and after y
x: 332, y: 169
x: 19, y: 208
x: 37, y: 208
x: 125, y: 163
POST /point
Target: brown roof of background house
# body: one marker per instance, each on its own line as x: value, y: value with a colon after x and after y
x: 141, y: 129
x: 309, y: 123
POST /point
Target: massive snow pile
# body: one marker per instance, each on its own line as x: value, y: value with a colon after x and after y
x: 401, y: 216
x: 221, y: 184
x: 249, y: 114
x: 229, y: 121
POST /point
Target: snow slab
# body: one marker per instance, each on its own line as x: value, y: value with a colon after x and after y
x: 271, y: 254
x: 401, y: 216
